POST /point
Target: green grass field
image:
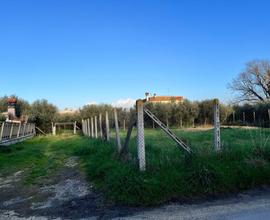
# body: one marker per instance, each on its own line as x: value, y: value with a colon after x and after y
x: 244, y: 163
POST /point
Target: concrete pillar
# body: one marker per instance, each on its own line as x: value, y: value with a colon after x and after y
x: 92, y: 126
x: 107, y: 126
x: 140, y: 135
x: 96, y: 128
x: 269, y: 116
x: 100, y: 125
x: 217, y: 126
x: 82, y: 126
x: 117, y: 134
x: 75, y: 128
x: 88, y: 128
x: 54, y: 130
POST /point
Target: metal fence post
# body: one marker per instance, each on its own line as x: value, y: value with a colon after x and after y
x: 19, y: 130
x: 117, y: 135
x: 217, y: 125
x: 100, y: 125
x: 2, y: 131
x: 140, y: 135
x: 107, y: 126
x: 24, y: 127
x: 35, y: 132
x: 11, y: 131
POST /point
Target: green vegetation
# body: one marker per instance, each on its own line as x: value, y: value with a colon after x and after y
x: 38, y: 157
x: 243, y: 164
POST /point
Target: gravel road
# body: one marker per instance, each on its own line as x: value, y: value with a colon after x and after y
x: 252, y: 205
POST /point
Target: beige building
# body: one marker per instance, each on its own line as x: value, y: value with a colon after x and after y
x: 166, y: 99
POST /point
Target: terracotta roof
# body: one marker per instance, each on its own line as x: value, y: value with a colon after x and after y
x: 165, y: 98
x: 12, y: 100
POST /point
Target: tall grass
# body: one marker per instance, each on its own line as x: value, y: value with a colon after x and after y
x: 173, y: 175
x: 244, y: 163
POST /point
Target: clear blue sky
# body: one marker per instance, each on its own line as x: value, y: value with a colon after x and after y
x: 74, y: 52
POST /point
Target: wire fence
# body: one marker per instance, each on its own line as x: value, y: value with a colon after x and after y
x: 13, y: 132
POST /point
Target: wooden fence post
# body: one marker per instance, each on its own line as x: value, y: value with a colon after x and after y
x: 107, y: 126
x: 96, y: 128
x: 100, y: 126
x: 217, y: 125
x: 140, y: 135
x: 233, y: 117
x: 244, y: 118
x: 254, y: 118
x: 117, y: 135
x: 2, y: 131
x: 124, y: 125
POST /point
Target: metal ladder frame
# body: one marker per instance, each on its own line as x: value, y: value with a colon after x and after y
x: 168, y: 131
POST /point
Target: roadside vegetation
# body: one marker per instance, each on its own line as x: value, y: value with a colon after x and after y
x: 171, y: 175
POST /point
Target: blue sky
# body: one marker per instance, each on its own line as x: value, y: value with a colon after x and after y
x: 75, y: 52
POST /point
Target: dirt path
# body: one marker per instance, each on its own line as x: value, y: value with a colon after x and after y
x: 67, y: 195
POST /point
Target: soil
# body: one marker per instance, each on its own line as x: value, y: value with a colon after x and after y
x: 67, y: 195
